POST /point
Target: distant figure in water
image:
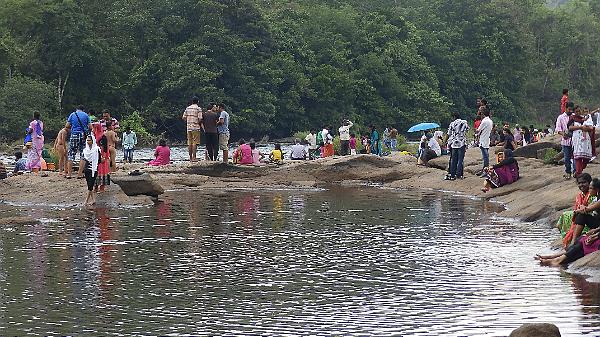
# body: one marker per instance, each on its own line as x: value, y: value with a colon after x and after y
x: 162, y: 154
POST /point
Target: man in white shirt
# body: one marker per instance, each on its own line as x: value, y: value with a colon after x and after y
x: 485, y: 131
x: 311, y: 140
x: 345, y: 137
x: 298, y: 151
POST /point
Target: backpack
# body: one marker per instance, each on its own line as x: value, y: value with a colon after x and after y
x: 320, y: 138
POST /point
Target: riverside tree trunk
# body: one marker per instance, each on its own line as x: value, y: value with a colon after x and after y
x: 62, y: 84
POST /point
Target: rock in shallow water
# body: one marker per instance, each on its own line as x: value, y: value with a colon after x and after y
x: 536, y: 330
x: 142, y: 184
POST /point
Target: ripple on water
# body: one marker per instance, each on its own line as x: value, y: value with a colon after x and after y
x: 349, y: 262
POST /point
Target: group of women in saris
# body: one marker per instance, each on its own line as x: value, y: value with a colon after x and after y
x: 581, y: 237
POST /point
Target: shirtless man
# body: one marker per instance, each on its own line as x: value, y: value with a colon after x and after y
x: 112, y: 139
x: 60, y: 147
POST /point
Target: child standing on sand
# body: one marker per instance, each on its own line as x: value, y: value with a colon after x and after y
x: 352, y: 144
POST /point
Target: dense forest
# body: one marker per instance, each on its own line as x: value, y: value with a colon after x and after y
x: 288, y: 65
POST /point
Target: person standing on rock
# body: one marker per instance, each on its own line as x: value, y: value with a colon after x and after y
x: 78, y: 122
x: 209, y: 123
x: 457, y: 143
x: 223, y: 129
x: 582, y: 128
x: 375, y: 141
x: 393, y: 138
x: 562, y: 129
x: 106, y: 118
x: 311, y: 139
x: 345, y: 137
x: 193, y: 117
x: 564, y: 100
x: 129, y: 142
x: 484, y: 131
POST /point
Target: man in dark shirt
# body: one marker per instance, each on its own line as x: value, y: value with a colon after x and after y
x: 209, y: 124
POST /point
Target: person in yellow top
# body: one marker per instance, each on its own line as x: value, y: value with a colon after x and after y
x: 276, y: 155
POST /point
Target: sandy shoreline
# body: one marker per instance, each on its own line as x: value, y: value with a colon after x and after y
x: 539, y: 196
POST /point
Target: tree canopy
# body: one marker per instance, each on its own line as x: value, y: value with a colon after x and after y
x: 286, y: 66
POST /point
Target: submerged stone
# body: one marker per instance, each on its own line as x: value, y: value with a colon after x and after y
x: 536, y: 330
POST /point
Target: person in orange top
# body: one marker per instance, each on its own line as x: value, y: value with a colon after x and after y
x: 564, y: 100
x: 582, y: 200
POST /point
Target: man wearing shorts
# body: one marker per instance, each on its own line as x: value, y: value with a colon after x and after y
x: 193, y: 116
x: 78, y: 122
x: 223, y: 129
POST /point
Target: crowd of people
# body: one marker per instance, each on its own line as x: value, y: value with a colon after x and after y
x: 579, y: 227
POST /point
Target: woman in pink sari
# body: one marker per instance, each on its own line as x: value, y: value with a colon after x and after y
x: 162, y: 154
x: 34, y: 156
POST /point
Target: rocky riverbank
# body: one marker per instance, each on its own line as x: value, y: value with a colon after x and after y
x: 539, y: 196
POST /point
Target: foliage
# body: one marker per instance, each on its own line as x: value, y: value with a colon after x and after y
x: 550, y: 156
x: 287, y: 66
x: 20, y: 97
x: 137, y: 123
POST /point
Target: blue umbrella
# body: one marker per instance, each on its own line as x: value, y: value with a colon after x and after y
x: 423, y: 127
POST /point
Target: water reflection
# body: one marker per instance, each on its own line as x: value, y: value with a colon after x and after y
x: 342, y: 262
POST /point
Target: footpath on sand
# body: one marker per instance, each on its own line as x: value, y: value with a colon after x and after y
x: 540, y: 195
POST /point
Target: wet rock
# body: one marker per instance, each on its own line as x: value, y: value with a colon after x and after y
x: 587, y: 262
x: 142, y: 184
x: 18, y: 220
x: 536, y: 330
x: 531, y: 150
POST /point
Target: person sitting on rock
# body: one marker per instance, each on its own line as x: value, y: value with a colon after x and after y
x: 582, y: 245
x: 584, y: 198
x: 276, y: 155
x: 587, y: 216
x: 243, y: 154
x: 162, y: 154
x: 430, y: 149
x: 505, y: 172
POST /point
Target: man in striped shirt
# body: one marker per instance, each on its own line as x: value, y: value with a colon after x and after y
x: 193, y: 116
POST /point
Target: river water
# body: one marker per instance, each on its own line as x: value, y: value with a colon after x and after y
x: 341, y: 262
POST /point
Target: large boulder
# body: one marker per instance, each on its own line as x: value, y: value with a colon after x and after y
x: 138, y: 184
x: 536, y: 330
x: 531, y: 150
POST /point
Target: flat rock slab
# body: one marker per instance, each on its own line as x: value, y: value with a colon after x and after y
x: 228, y: 170
x: 536, y: 330
x: 18, y: 220
x: 531, y: 150
x: 133, y: 185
